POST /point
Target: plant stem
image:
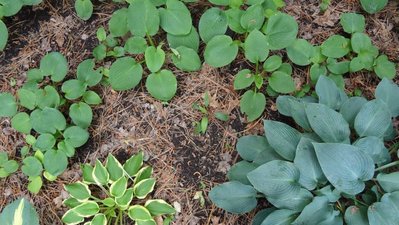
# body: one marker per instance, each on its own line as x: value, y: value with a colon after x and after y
x: 393, y: 148
x: 121, y: 217
x: 387, y: 166
x: 150, y: 40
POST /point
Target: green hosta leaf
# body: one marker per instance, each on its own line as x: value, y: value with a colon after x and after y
x: 356, y: 216
x: 159, y: 207
x: 372, y: 6
x: 375, y: 148
x: 292, y: 201
x: 66, y: 148
x: 135, y: 45
x: 176, y: 18
x: 374, y: 119
x: 335, y: 46
x: 234, y: 19
x: 386, y: 92
x: 35, y: 184
x: 351, y: 107
x: 76, y: 136
x: 238, y: 172
x: 87, y: 209
x: 187, y: 59
x: 273, y: 63
x: 92, y: 98
x: 55, y: 65
x: 99, y: 219
x: 84, y: 9
x: 73, y: 89
x: 280, y: 217
x: 315, y: 213
x: 220, y: 51
x: 281, y: 31
x: 44, y: 142
x: 19, y: 212
x: 243, y: 79
x: 381, y: 213
x: 316, y: 71
x: 27, y: 98
x: 143, y: 18
x: 118, y: 23
x: 306, y: 161
x: 10, y: 7
x: 143, y: 188
x: 352, y: 22
x: 78, y: 191
x: 146, y: 222
x: 21, y: 122
x: 338, y: 67
x: 252, y: 104
x: 114, y: 168
x: 118, y: 188
x: 71, y: 202
x: 108, y: 202
x: 32, y: 167
x: 253, y: 18
x: 3, y: 35
x: 48, y: 120
x: 138, y: 212
x: 100, y: 174
x: 212, y: 23
x: 125, y: 199
x: 154, y: 58
x: 281, y: 82
x: 142, y: 174
x: 133, y: 165
x: 47, y: 97
x: 3, y: 158
x: 55, y: 162
x: 361, y: 42
x: 329, y: 94
x: 301, y: 52
x: 100, y: 52
x: 87, y: 74
x: 389, y: 182
x: 234, y: 197
x: 190, y: 40
x: 283, y: 138
x: 8, y: 105
x: 162, y: 85
x: 71, y: 217
x: 276, y: 179
x: 125, y: 74
x: 255, y: 46
x: 384, y: 68
x: 87, y: 174
x: 10, y: 166
x: 355, y: 166
x: 81, y: 114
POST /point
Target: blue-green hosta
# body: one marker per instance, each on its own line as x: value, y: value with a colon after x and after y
x: 53, y: 113
x: 333, y: 169
x: 123, y: 189
x: 19, y: 212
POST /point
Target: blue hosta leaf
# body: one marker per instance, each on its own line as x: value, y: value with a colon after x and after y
x: 389, y: 182
x: 356, y: 216
x: 239, y: 171
x: 280, y: 217
x: 283, y: 104
x: 388, y: 92
x: 381, y: 213
x: 332, y: 194
x: 276, y: 179
x: 345, y: 166
x: 234, y: 197
x: 19, y: 212
x: 375, y: 148
x: 392, y: 199
x: 315, y: 212
x: 329, y: 125
x: 306, y: 161
x: 294, y: 201
x: 329, y: 94
x: 250, y: 146
x: 283, y: 138
x: 351, y: 107
x: 298, y: 113
x: 261, y: 216
x: 374, y: 119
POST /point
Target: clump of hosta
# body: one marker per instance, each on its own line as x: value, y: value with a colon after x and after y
x: 333, y: 169
x: 110, y: 193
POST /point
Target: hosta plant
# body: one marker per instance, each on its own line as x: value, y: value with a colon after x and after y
x: 333, y: 169
x: 10, y: 8
x: 372, y: 6
x: 112, y: 193
x: 7, y: 166
x: 19, y: 212
x: 53, y: 113
x: 84, y: 8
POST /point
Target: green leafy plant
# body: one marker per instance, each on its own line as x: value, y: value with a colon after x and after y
x: 19, y: 212
x: 324, y: 5
x: 38, y: 113
x: 10, y: 8
x: 372, y: 7
x: 7, y: 166
x: 84, y: 8
x: 123, y: 190
x: 325, y: 174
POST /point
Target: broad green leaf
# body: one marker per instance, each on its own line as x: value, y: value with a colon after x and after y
x: 3, y: 158
x: 351, y: 107
x: 114, y: 168
x: 283, y: 138
x: 35, y: 184
x: 281, y: 31
x: 27, y: 98
x: 100, y: 174
x: 138, y: 212
x: 100, y: 52
x: 143, y: 18
x: 186, y: 59
x: 81, y: 114
x: 84, y: 9
x: 47, y: 97
x: 253, y: 18
x: 32, y: 167
x: 255, y: 46
x: 143, y: 188
x: 118, y: 188
x: 375, y: 148
x: 272, y: 63
x: 76, y: 136
x: 87, y: 209
x: 336, y: 67
x: 374, y: 119
x: 252, y: 104
x: 21, y: 123
x: 281, y: 82
x: 283, y: 104
x: 118, y: 26
x: 44, y: 142
x: 8, y: 105
x: 86, y: 73
x: 249, y: 147
x: 55, y: 162
x: 125, y: 74
x: 212, y: 23
x: 389, y: 182
x: 234, y: 19
x: 19, y: 212
x: 146, y: 222
x: 135, y: 45
x: 154, y: 58
x: 99, y: 219
x: 355, y: 215
x: 190, y: 40
x: 280, y: 217
x: 360, y: 42
x: 238, y: 172
x: 10, y: 166
x: 110, y: 202
x: 175, y: 18
x: 316, y: 71
x: 354, y: 166
x: 220, y: 2
x: 10, y: 7
x: 92, y: 98
x: 55, y: 65
x: 78, y: 191
x: 220, y: 51
x: 301, y: 52
x: 73, y: 89
x: 335, y: 46
x: 68, y: 149
x: 298, y: 113
x: 315, y: 213
x: 386, y: 92
x: 391, y: 199
x: 384, y: 68
x: 48, y: 120
x: 162, y: 85
x: 234, y: 197
x: 125, y: 199
x: 87, y: 174
x: 353, y: 22
x: 381, y: 213
x: 372, y: 6
x: 133, y: 164
x: 142, y: 174
x: 276, y: 179
x: 243, y: 79
x: 159, y: 207
x: 261, y: 216
x: 293, y: 201
x: 329, y: 94
x: 71, y: 217
x: 3, y: 35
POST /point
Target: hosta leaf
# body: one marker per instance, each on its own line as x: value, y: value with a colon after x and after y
x: 159, y: 207
x: 212, y: 23
x: 250, y: 147
x: 87, y: 209
x: 261, y: 216
x: 273, y: 63
x: 27, y: 98
x: 35, y: 184
x: 55, y: 162
x: 252, y: 104
x: 125, y: 74
x: 283, y: 138
x: 335, y: 46
x: 55, y: 65
x: 68, y: 149
x: 84, y: 9
x: 234, y: 197
x: 78, y: 191
x: 293, y: 201
x: 143, y: 188
x: 384, y: 68
x: 154, y: 58
x: 125, y: 199
x: 372, y: 6
x: 352, y: 22
x: 138, y: 212
x: 392, y: 199
x: 76, y: 136
x: 118, y: 23
x: 187, y: 59
x: 381, y: 213
x: 243, y: 79
x: 19, y: 212
x: 276, y: 179
x: 133, y: 165
x: 142, y: 174
x: 386, y: 92
x: 234, y: 19
x: 99, y: 219
x: 375, y: 148
x: 48, y: 97
x: 315, y: 212
x: 118, y: 188
x: 301, y: 52
x: 252, y: 18
x: 21, y: 123
x: 162, y: 85
x: 175, y: 18
x: 143, y: 18
x: 255, y: 46
x: 3, y: 35
x: 239, y: 171
x: 10, y: 7
x: 220, y: 51
x: 114, y: 168
x: 336, y: 67
x: 356, y: 216
x: 71, y: 217
x: 298, y: 113
x: 361, y: 43
x: 280, y: 217
x: 48, y: 120
x: 329, y: 94
x: 86, y: 73
x: 355, y: 166
x: 281, y: 82
x: 351, y: 107
x: 81, y: 114
x: 374, y: 119
x: 32, y: 167
x: 44, y: 142
x: 8, y: 105
x: 389, y: 182
x: 135, y: 45
x: 73, y: 89
x: 87, y: 174
x: 190, y: 40
x: 281, y: 31
x: 100, y: 174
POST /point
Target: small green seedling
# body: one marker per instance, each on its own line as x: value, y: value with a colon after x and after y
x: 7, y: 166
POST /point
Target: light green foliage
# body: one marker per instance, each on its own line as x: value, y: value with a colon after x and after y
x: 84, y: 9
x: 308, y: 176
x: 3, y: 35
x: 120, y: 190
x: 372, y: 6
x: 212, y: 23
x: 19, y: 212
x: 7, y: 166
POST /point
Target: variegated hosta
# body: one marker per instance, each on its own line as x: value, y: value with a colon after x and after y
x: 119, y: 191
x: 332, y: 170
